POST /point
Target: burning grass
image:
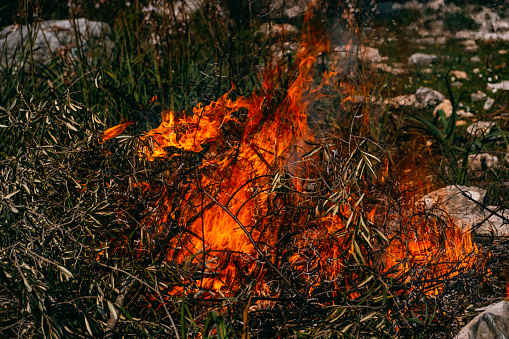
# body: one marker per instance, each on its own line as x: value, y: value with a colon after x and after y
x: 233, y: 218
x: 245, y: 215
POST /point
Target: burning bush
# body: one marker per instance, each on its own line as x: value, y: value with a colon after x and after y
x: 231, y: 218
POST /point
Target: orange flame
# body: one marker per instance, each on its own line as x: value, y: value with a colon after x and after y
x: 428, y: 255
x: 112, y: 132
x: 237, y: 177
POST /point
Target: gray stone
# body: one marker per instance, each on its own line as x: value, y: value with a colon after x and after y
x: 464, y: 205
x: 488, y: 104
x: 456, y: 201
x: 426, y: 96
x: 421, y: 59
x: 482, y: 161
x: 478, y: 96
x: 504, y: 85
x: 492, y: 323
x: 49, y: 37
x: 480, y: 128
x: 475, y: 59
x: 471, y: 46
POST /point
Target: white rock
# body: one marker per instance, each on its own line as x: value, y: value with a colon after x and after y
x: 488, y: 104
x: 390, y: 69
x: 499, y: 85
x: 482, y: 161
x: 294, y: 11
x: 479, y: 96
x: 436, y: 5
x: 490, y: 21
x: 462, y: 114
x: 425, y: 41
x: 458, y: 202
x: 404, y: 100
x: 483, y: 35
x: 275, y: 30
x: 470, y: 46
x: 413, y: 5
x: 492, y: 221
x: 421, y: 59
x: 50, y: 36
x: 489, y: 324
x: 367, y: 53
x: 480, y: 128
x: 492, y: 27
x: 464, y: 205
x: 475, y: 58
x: 397, y: 6
x: 426, y: 96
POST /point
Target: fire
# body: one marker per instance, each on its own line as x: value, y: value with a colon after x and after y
x: 112, y: 132
x: 234, y: 225
x: 430, y: 252
x: 427, y: 249
x: 232, y: 195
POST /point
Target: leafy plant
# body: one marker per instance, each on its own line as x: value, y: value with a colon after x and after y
x: 445, y: 133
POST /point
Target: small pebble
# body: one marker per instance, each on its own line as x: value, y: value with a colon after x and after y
x: 488, y: 103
